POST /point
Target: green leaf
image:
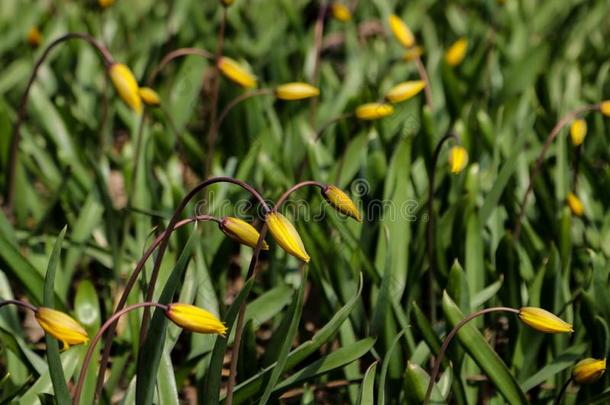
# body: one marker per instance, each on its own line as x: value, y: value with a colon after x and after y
x: 60, y: 387
x: 368, y: 386
x: 478, y: 348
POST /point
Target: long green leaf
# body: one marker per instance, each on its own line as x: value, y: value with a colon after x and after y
x: 367, y: 396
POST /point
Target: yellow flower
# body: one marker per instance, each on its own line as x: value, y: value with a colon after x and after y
x: 374, y: 111
x: 456, y: 52
x: 575, y: 205
x: 402, y: 33
x: 195, y: 319
x: 578, y: 131
x: 543, y: 321
x: 341, y: 12
x: 235, y: 72
x: 61, y: 326
x: 286, y: 236
x: 149, y: 96
x: 458, y: 159
x: 413, y: 53
x: 34, y: 37
x: 105, y: 3
x: 588, y: 370
x: 404, y: 91
x: 241, y: 231
x: 604, y: 107
x: 126, y: 85
x: 296, y: 91
x: 341, y: 202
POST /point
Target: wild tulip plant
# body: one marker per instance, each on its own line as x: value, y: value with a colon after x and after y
x: 461, y: 222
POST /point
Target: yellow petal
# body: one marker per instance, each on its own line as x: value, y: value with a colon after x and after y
x: 341, y: 12
x: 286, y: 236
x: 149, y: 96
x: 296, y: 91
x: 575, y: 205
x: 604, y: 107
x: 195, y: 319
x: 61, y: 326
x: 235, y: 72
x: 401, y: 31
x: 126, y: 85
x: 241, y: 231
x: 341, y: 202
x: 543, y: 321
x: 588, y: 370
x: 458, y: 159
x: 374, y: 111
x: 456, y: 52
x: 404, y: 91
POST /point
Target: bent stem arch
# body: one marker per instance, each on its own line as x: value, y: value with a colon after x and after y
x: 16, y: 138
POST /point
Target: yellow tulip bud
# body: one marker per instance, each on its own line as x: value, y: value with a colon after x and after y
x: 149, y: 96
x: 241, y: 231
x: 61, y: 326
x: 195, y: 319
x: 235, y: 72
x: 413, y: 53
x: 404, y: 91
x: 458, y: 159
x: 401, y: 31
x: 34, y: 37
x: 578, y: 131
x: 456, y: 52
x: 105, y: 3
x: 341, y: 202
x: 126, y: 85
x: 374, y: 111
x: 286, y: 236
x: 604, y: 107
x: 543, y: 321
x: 575, y: 205
x: 296, y: 91
x: 341, y: 12
x: 588, y: 370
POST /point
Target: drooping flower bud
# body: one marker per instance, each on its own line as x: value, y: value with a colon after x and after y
x: 456, y: 52
x: 543, y: 321
x: 241, y: 231
x: 578, y: 131
x: 34, y: 37
x: 105, y: 3
x: 341, y: 12
x: 405, y: 90
x: 126, y: 85
x: 401, y: 31
x: 604, y: 107
x: 458, y: 159
x: 576, y: 207
x: 296, y: 91
x: 341, y: 202
x: 374, y: 111
x: 588, y: 370
x: 237, y: 73
x: 286, y: 236
x: 149, y: 96
x: 61, y: 326
x: 195, y: 319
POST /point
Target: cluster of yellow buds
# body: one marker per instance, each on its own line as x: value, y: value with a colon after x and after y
x: 127, y: 87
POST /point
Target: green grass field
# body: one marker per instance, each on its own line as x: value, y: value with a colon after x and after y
x: 296, y: 202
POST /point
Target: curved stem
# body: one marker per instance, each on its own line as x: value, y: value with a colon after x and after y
x: 252, y: 273
x: 128, y: 287
x: 547, y: 143
x: 423, y: 75
x: 441, y: 354
x: 22, y: 304
x: 213, y: 135
x: 16, y: 138
x: 430, y: 224
x: 175, y: 54
x: 81, y: 377
x: 562, y: 392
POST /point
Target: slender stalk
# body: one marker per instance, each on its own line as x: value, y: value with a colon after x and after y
x: 175, y: 54
x: 430, y: 224
x: 16, y: 138
x: 547, y: 143
x: 81, y: 377
x: 215, y: 91
x: 216, y: 124
x: 576, y: 167
x: 454, y: 331
x: 423, y: 75
x: 562, y: 392
x: 318, y: 36
x: 20, y: 304
x: 252, y: 273
x: 128, y: 287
